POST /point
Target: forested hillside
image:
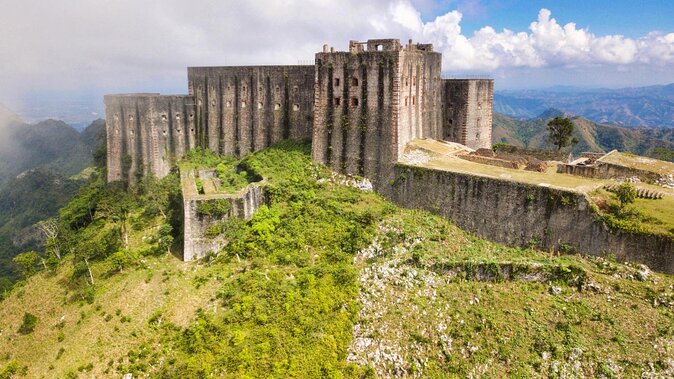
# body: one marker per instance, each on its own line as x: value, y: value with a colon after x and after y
x: 41, y: 167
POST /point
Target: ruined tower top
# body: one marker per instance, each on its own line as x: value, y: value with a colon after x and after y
x: 383, y: 45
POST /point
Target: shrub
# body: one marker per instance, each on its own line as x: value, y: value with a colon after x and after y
x: 626, y: 194
x: 28, y: 324
x: 213, y: 208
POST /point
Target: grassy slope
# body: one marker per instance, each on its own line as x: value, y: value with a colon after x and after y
x: 285, y: 297
x: 419, y: 319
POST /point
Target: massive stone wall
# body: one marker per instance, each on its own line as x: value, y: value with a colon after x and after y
x: 360, y: 108
x: 371, y: 101
x: 147, y: 133
x: 468, y: 111
x: 521, y: 214
x: 247, y: 108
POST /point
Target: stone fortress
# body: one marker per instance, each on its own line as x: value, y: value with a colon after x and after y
x: 359, y: 107
x: 382, y: 111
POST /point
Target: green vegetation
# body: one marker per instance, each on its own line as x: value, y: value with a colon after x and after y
x: 28, y: 324
x: 626, y: 194
x: 652, y: 216
x: 41, y: 168
x: 231, y: 175
x: 325, y: 281
x: 214, y: 208
x: 561, y: 132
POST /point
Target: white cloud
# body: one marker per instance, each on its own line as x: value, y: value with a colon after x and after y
x: 546, y: 44
x: 122, y: 44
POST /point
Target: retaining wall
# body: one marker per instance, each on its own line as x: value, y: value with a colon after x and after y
x: 522, y: 214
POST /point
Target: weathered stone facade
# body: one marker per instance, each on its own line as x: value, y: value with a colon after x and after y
x: 468, y: 106
x: 245, y: 109
x: 360, y: 108
x: 146, y: 133
x: 371, y: 101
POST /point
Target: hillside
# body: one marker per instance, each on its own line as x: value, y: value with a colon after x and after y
x: 652, y: 142
x: 30, y: 197
x: 37, y: 163
x: 651, y: 106
x: 325, y: 281
x: 50, y: 144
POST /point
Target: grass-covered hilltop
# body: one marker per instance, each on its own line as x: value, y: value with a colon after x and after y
x: 326, y: 280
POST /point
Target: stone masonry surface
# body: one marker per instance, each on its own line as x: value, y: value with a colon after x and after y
x: 360, y: 108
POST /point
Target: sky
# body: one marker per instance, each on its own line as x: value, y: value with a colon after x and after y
x: 81, y: 49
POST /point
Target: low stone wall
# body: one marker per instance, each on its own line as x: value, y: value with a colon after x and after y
x: 522, y: 214
x: 242, y: 204
x: 603, y: 170
x: 541, y: 154
x: 491, y: 161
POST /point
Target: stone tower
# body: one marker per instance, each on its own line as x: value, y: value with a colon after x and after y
x: 468, y: 106
x: 370, y: 101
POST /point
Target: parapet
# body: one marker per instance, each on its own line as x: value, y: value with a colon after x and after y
x: 382, y: 45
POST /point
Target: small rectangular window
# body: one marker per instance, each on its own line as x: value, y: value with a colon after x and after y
x: 354, y: 101
x: 336, y: 82
x: 414, y: 100
x: 406, y: 99
x: 338, y: 101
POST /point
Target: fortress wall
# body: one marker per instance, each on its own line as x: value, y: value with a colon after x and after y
x: 419, y: 107
x: 468, y: 107
x: 147, y: 133
x: 355, y: 112
x: 196, y: 244
x: 247, y: 108
x: 522, y: 214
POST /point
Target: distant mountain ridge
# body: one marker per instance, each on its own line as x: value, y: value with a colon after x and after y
x: 651, y: 106
x: 36, y: 163
x: 49, y: 144
x: 592, y: 136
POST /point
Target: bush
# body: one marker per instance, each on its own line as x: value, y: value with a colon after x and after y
x: 213, y: 208
x: 626, y: 194
x: 28, y: 324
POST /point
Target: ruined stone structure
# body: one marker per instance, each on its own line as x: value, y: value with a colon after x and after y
x: 360, y: 108
x: 468, y: 105
x: 242, y: 204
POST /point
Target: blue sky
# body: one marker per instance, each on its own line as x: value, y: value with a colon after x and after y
x: 85, y: 48
x: 630, y: 18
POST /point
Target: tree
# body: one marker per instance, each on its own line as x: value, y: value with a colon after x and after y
x: 50, y: 229
x: 626, y: 194
x: 27, y: 263
x: 561, y: 132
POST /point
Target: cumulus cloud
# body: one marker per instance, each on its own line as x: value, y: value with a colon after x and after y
x: 545, y: 44
x: 146, y: 44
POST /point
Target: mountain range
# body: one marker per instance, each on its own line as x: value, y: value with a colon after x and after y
x: 651, y: 106
x: 49, y: 144
x: 591, y: 136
